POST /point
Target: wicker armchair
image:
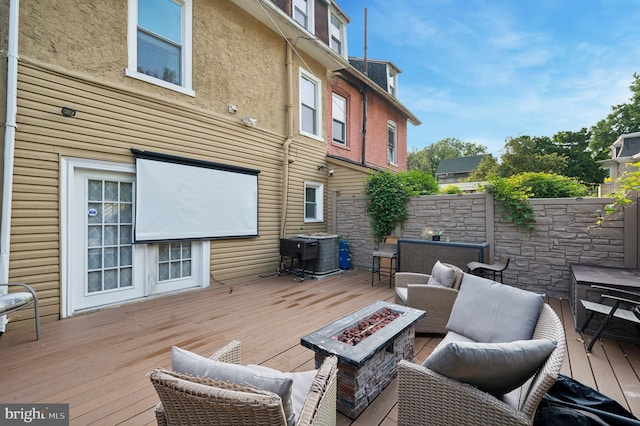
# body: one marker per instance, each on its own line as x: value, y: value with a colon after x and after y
x: 425, y: 397
x: 187, y: 400
x: 412, y: 290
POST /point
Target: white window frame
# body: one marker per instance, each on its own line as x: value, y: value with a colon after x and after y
x: 309, y: 14
x: 317, y: 107
x: 339, y: 34
x: 392, y: 152
x: 319, y: 188
x: 392, y: 83
x: 185, y: 61
x: 339, y: 116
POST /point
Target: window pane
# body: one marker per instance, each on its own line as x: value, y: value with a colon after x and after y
x: 111, y: 191
x: 94, y: 191
x: 161, y: 17
x: 338, y: 107
x: 110, y: 257
x: 338, y: 131
x: 110, y: 213
x: 94, y: 258
x: 126, y: 277
x: 95, y: 281
x: 310, y: 195
x: 158, y: 58
x: 111, y: 235
x: 94, y: 237
x: 110, y: 279
x: 308, y: 92
x: 163, y: 252
x: 308, y: 120
x: 310, y: 211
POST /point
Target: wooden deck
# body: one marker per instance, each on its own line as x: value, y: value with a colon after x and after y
x: 98, y: 362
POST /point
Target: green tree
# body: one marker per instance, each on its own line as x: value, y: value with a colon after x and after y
x: 530, y: 154
x: 583, y: 165
x: 487, y: 168
x: 623, y: 119
x: 428, y: 158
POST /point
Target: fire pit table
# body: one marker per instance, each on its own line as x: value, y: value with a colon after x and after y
x: 369, y: 343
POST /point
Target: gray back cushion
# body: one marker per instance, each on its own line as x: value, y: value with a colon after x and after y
x: 490, y: 312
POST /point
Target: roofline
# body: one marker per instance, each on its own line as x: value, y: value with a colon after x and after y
x: 353, y: 72
x: 285, y: 26
x: 378, y: 61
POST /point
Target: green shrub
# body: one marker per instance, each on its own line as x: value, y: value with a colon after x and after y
x: 451, y: 189
x: 418, y: 182
x: 549, y: 185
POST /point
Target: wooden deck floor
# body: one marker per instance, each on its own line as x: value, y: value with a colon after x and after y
x: 98, y: 362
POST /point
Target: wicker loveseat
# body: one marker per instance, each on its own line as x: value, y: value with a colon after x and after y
x: 194, y: 400
x: 429, y: 397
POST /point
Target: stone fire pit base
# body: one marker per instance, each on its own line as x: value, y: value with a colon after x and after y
x: 359, y: 386
x: 365, y: 369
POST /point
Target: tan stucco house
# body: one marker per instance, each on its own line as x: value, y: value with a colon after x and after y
x: 154, y: 147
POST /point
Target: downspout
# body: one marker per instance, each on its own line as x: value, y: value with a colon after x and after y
x: 365, y: 100
x: 287, y: 142
x: 9, y: 144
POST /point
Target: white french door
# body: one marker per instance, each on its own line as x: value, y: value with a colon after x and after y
x: 102, y: 266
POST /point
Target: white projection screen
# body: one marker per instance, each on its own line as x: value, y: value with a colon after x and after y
x: 184, y: 199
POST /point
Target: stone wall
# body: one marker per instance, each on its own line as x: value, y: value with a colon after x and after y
x: 565, y: 232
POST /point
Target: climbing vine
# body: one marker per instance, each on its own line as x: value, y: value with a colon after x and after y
x: 387, y: 207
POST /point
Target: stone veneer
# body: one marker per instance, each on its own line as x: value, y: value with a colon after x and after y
x: 565, y: 232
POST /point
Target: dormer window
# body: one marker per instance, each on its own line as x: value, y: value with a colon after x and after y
x: 337, y: 35
x: 392, y: 82
x: 303, y: 14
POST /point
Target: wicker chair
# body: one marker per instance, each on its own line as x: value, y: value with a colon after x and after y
x: 425, y: 397
x: 187, y: 400
x: 412, y: 290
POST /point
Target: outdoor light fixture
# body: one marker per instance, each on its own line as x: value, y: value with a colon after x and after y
x: 68, y: 112
x: 250, y: 121
x: 322, y: 168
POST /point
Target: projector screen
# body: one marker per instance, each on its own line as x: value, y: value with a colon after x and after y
x: 184, y: 199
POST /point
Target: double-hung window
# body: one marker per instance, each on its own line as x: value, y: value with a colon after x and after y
x: 159, y: 41
x: 313, y: 202
x: 337, y: 35
x: 310, y: 105
x: 392, y: 143
x: 303, y: 14
x: 339, y: 114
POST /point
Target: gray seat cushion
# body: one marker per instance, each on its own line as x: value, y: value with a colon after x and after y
x: 187, y: 362
x: 487, y: 311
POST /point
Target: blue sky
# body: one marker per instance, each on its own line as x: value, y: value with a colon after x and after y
x: 485, y: 70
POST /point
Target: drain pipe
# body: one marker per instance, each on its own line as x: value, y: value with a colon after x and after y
x: 9, y: 144
x: 287, y: 142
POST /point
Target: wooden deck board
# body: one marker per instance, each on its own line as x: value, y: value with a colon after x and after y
x: 98, y: 362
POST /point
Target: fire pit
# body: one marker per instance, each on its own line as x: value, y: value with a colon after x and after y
x: 368, y: 343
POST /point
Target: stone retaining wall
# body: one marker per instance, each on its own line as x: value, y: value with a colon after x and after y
x: 565, y: 232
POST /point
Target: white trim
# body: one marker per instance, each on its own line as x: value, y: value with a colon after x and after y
x: 319, y: 188
x: 342, y: 30
x: 342, y: 119
x: 187, y: 49
x: 318, y: 107
x: 393, y: 161
x: 67, y: 172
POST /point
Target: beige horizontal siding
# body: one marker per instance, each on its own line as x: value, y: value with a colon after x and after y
x: 107, y: 125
